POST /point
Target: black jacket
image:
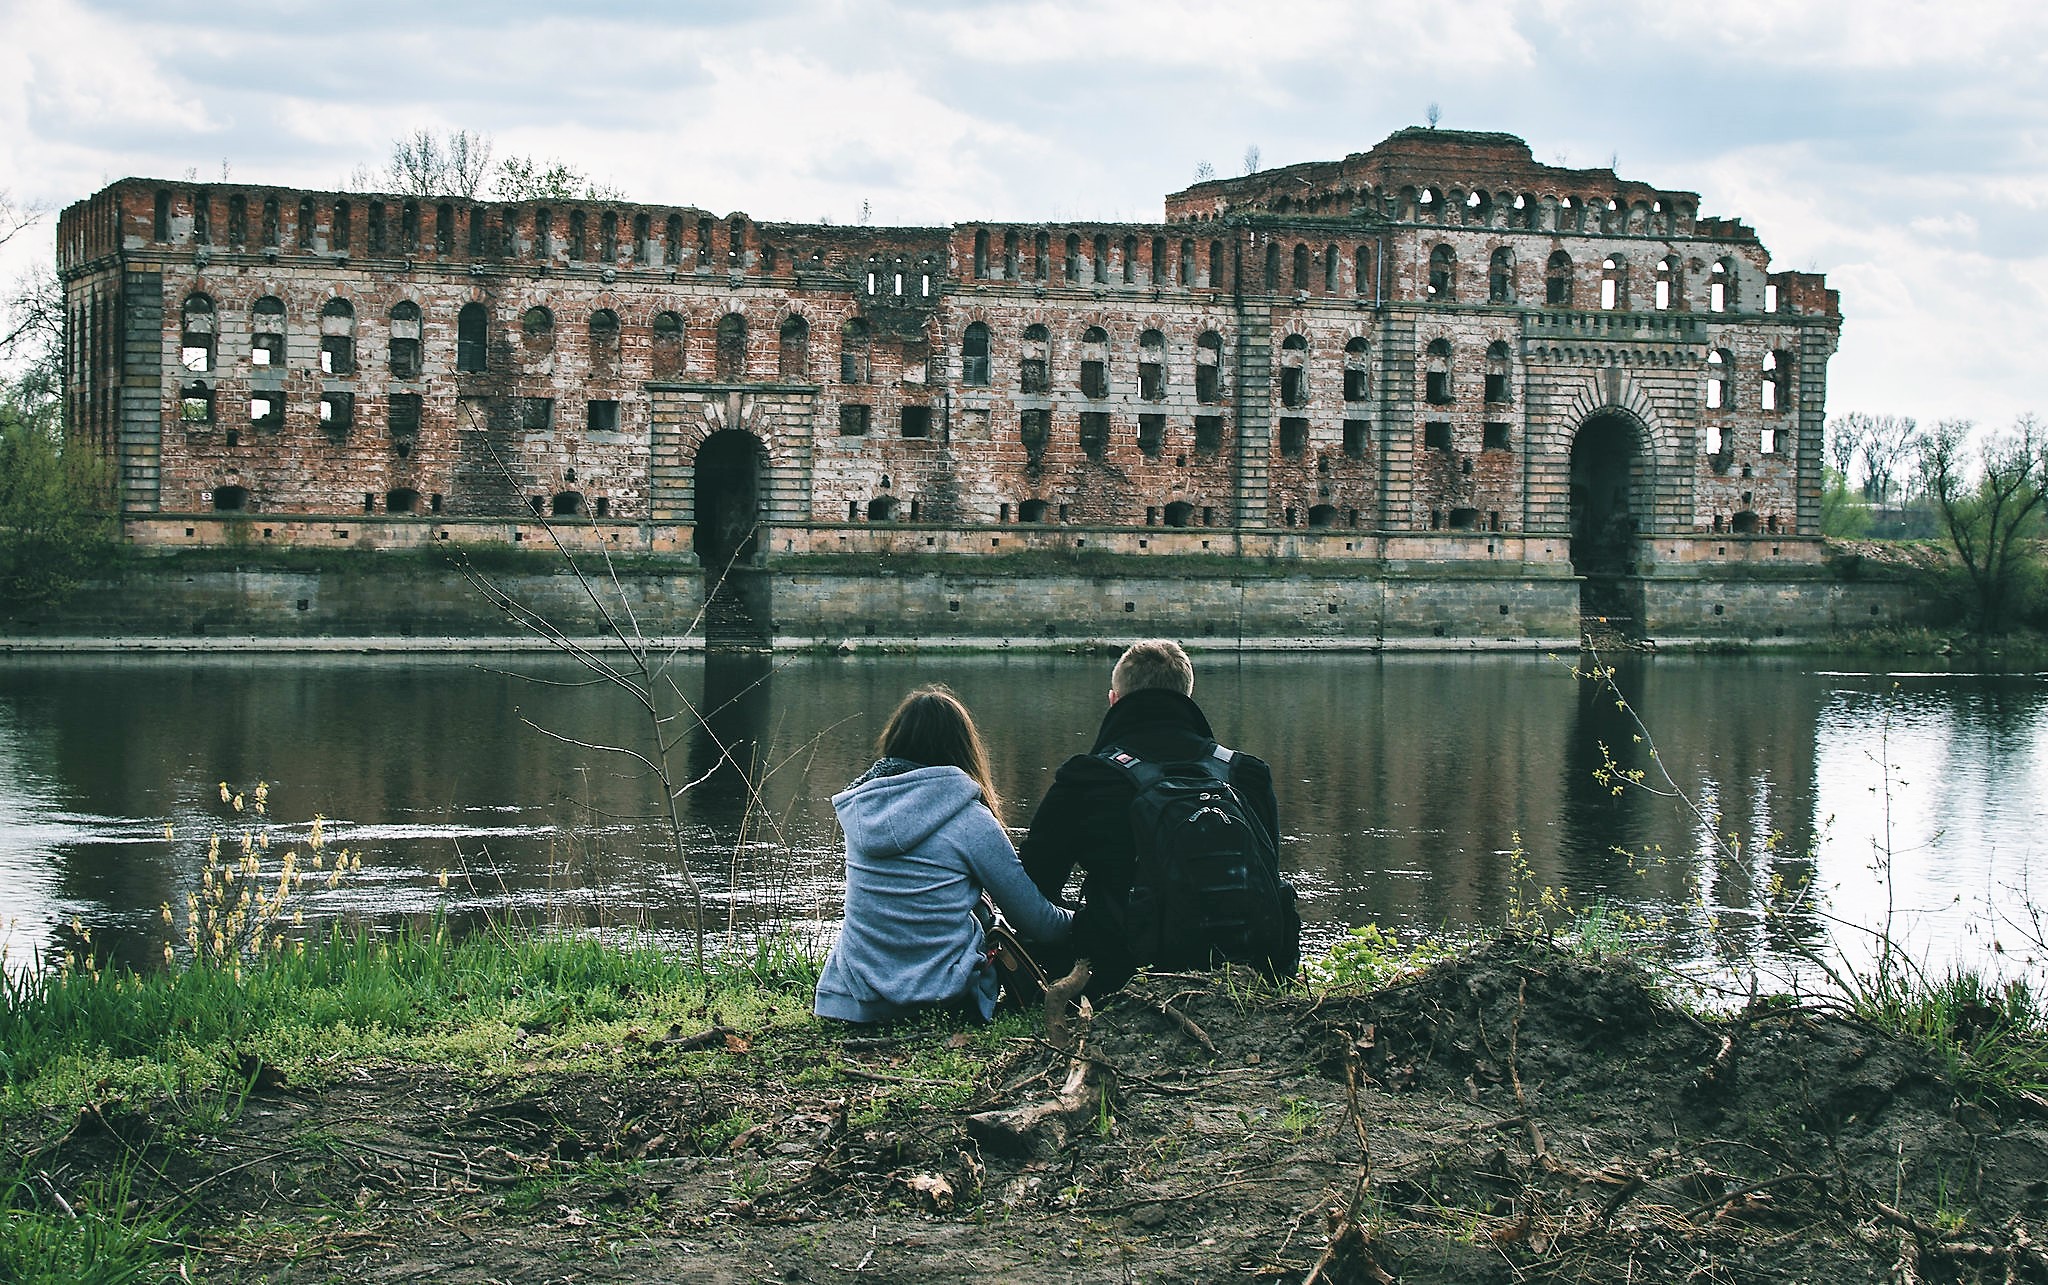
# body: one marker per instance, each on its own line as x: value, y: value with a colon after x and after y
x: 1085, y: 819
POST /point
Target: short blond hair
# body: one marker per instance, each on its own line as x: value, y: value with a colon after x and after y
x: 1150, y: 663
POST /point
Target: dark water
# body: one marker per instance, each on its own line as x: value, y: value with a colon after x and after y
x: 1406, y: 785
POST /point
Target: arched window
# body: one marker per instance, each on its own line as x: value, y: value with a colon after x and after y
x: 1330, y: 271
x: 1186, y: 275
x: 1031, y: 511
x: 1160, y: 272
x: 1034, y: 363
x: 405, y: 340
x: 409, y: 227
x: 608, y: 237
x: 1669, y: 282
x: 1073, y: 257
x: 1614, y: 283
x: 1557, y: 280
x: 579, y: 236
x: 266, y: 333
x: 1095, y: 362
x: 1152, y: 366
x: 1357, y: 371
x: 337, y: 236
x: 338, y: 338
x: 1272, y: 267
x: 402, y: 500
x: 195, y: 403
x: 200, y: 334
x: 160, y: 226
x: 974, y: 355
x: 1499, y: 373
x: 1300, y: 267
x: 672, y: 241
x: 271, y: 235
x: 643, y: 237
x: 1217, y: 263
x: 853, y: 352
x: 1772, y: 391
x: 1209, y: 368
x: 1101, y: 264
x: 1010, y: 255
x: 1721, y: 287
x: 566, y: 504
x: 1720, y: 393
x: 1041, y: 256
x: 1437, y: 388
x: 543, y: 234
x: 732, y: 347
x: 1443, y: 274
x: 665, y: 350
x: 1500, y: 276
x: 537, y: 334
x: 238, y: 220
x: 1294, y: 371
x: 1130, y: 263
x: 793, y: 348
x: 604, y: 343
x: 981, y: 255
x: 1179, y: 513
x: 1361, y: 271
x: 230, y: 499
x: 472, y: 345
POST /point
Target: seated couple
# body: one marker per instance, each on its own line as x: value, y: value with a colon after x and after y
x: 1174, y: 835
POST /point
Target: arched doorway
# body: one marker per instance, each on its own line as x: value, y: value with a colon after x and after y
x: 728, y: 486
x: 1607, y: 460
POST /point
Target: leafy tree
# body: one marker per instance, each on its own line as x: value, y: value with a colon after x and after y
x: 56, y: 528
x: 1988, y: 510
x: 1844, y: 440
x: 521, y: 178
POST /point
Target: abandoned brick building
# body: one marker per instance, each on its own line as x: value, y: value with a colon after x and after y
x: 1436, y: 350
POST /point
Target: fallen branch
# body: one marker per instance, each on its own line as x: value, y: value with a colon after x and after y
x: 1187, y: 1024
x: 1025, y: 1128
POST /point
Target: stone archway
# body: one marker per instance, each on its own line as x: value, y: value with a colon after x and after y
x: 727, y: 471
x: 1608, y: 496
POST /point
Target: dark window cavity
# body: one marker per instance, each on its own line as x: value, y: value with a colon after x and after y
x: 732, y: 347
x: 472, y: 340
x: 793, y: 349
x: 1209, y: 368
x: 1152, y: 366
x: 405, y: 340
x: 1095, y: 362
x: 338, y: 338
x: 665, y: 348
x: 853, y: 419
x: 974, y: 355
x: 266, y: 334
x: 1034, y: 365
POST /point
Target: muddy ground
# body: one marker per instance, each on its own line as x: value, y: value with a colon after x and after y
x: 1514, y: 1115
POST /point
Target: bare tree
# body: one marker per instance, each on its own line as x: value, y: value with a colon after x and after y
x: 1204, y: 171
x: 1251, y: 159
x: 1889, y: 443
x: 1844, y: 440
x: 1433, y: 115
x: 1987, y: 510
x: 431, y: 164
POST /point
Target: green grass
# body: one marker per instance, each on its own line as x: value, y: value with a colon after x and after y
x: 82, y: 1036
x: 90, y: 1238
x: 1992, y: 1037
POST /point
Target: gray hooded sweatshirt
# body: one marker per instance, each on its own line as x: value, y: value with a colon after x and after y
x: 920, y: 851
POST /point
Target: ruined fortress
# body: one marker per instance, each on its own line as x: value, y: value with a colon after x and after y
x: 1457, y: 389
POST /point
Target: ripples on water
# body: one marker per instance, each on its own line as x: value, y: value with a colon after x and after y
x: 1406, y: 784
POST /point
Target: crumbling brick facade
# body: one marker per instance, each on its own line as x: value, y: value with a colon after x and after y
x: 1434, y: 350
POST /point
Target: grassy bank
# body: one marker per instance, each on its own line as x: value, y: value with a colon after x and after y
x: 462, y: 1108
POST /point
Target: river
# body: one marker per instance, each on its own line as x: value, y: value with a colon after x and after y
x: 1419, y: 792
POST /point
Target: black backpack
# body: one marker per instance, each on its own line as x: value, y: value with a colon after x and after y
x: 1207, y: 888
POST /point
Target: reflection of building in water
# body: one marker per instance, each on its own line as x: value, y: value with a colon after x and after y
x: 1439, y: 342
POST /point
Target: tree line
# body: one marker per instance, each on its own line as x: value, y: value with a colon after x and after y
x: 1982, y: 492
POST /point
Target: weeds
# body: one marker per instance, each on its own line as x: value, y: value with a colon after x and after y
x: 1991, y: 1035
x: 87, y: 1236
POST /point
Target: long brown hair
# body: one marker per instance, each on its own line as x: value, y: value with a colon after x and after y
x: 933, y: 728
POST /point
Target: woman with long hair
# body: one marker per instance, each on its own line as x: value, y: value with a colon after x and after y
x: 924, y: 842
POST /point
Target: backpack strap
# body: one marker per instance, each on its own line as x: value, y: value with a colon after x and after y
x: 1215, y: 764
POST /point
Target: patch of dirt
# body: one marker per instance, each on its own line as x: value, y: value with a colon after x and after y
x: 1514, y: 1115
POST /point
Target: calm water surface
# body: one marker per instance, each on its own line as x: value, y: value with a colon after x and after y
x: 1406, y: 785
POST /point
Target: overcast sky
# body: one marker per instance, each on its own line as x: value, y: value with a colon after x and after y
x: 1899, y: 147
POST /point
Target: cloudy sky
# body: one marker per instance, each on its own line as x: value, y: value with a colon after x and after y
x: 1900, y: 147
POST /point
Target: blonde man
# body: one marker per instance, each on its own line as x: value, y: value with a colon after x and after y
x: 1085, y: 820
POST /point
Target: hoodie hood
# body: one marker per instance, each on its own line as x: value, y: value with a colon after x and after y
x: 884, y: 815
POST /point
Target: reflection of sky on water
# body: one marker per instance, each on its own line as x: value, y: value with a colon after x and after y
x: 1405, y: 782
